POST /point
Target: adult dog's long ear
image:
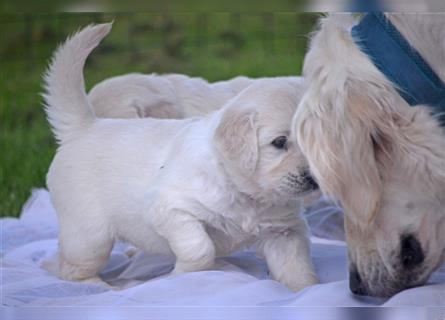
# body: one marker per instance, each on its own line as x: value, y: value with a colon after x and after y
x: 344, y: 123
x: 343, y: 135
x: 236, y: 138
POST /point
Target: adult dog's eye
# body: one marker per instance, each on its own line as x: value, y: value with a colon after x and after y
x: 280, y: 142
x: 411, y: 253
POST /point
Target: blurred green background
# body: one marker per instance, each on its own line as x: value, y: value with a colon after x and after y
x: 212, y: 45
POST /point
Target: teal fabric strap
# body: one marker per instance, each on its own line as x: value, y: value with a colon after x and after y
x: 414, y: 79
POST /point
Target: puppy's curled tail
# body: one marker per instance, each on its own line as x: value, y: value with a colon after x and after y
x: 66, y: 102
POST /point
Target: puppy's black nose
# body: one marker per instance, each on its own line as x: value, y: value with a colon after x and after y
x: 309, y: 182
x: 355, y: 283
x: 313, y: 185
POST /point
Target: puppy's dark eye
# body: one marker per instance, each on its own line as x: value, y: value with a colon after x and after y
x: 411, y: 253
x: 280, y: 142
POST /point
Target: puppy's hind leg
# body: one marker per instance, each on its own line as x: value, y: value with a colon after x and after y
x: 83, y: 250
x: 189, y: 241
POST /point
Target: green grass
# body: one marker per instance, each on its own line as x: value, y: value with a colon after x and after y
x: 215, y: 46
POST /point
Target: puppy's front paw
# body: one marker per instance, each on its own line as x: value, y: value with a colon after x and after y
x: 197, y: 265
x: 98, y: 281
x: 298, y: 283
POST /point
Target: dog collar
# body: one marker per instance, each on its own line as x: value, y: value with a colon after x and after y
x: 391, y: 53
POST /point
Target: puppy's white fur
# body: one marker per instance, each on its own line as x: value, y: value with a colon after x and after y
x: 383, y: 159
x: 196, y: 188
x: 172, y: 96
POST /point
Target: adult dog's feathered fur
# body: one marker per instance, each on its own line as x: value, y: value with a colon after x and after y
x: 196, y: 188
x: 384, y: 160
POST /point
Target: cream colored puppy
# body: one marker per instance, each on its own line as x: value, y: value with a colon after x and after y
x: 195, y: 188
x: 170, y: 96
x: 382, y: 158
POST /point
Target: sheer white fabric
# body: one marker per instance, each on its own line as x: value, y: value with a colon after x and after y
x: 144, y: 279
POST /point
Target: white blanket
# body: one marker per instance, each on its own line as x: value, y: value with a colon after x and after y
x: 143, y: 279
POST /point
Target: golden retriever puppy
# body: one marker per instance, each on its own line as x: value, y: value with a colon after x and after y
x: 373, y: 135
x: 169, y: 96
x: 194, y: 188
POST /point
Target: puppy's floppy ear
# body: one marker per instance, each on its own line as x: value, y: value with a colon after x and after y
x: 340, y: 134
x: 236, y: 138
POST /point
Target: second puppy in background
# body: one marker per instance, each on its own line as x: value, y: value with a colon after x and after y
x: 195, y: 188
x: 168, y: 96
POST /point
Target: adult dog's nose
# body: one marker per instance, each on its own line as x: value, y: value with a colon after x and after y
x: 355, y: 283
